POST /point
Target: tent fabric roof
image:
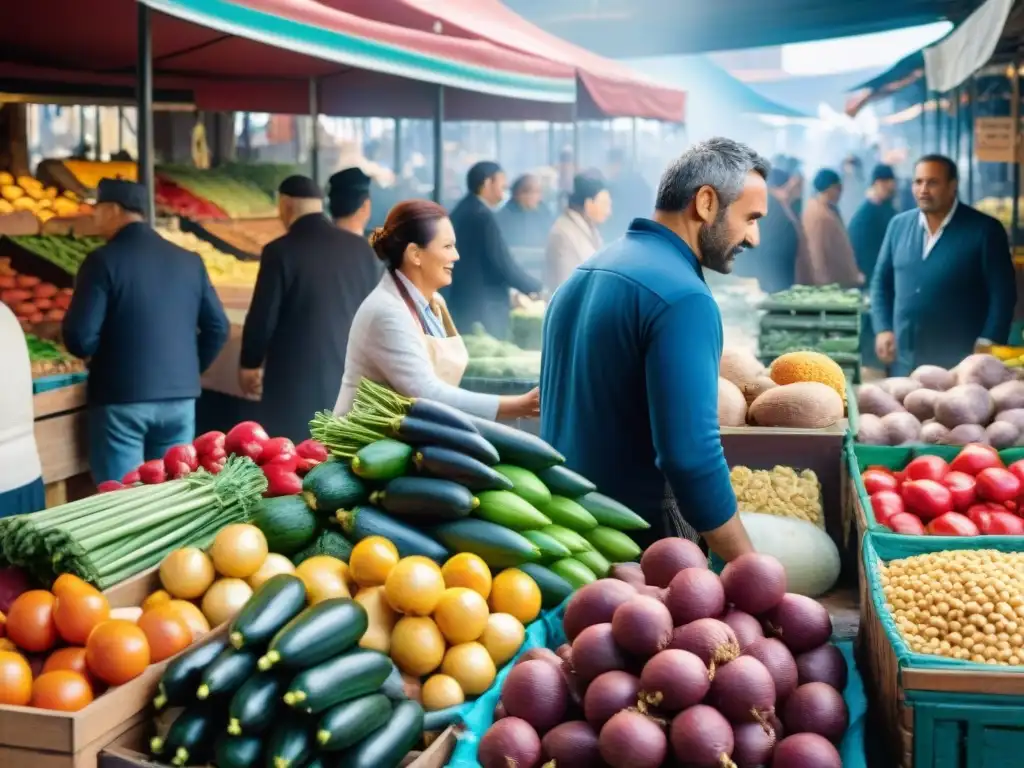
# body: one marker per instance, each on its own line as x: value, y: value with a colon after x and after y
x: 611, y: 89
x: 904, y: 72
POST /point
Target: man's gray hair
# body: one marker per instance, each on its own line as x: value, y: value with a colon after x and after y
x: 722, y: 164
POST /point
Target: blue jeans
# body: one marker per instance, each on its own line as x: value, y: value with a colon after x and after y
x: 121, y: 437
x: 21, y: 501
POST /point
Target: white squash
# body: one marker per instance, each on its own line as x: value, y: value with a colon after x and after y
x: 808, y: 554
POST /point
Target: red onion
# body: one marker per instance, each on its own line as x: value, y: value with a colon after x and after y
x: 747, y: 628
x: 642, y: 626
x: 572, y: 745
x: 743, y: 690
x: 666, y: 557
x: 800, y: 622
x: 754, y: 583
x: 509, y: 741
x: 594, y: 604
x: 631, y: 573
x: 816, y: 708
x: 499, y: 711
x: 710, y: 640
x: 539, y: 654
x: 595, y: 652
x: 536, y: 692
x: 651, y: 591
x: 753, y: 745
x: 608, y: 695
x: 806, y: 750
x: 695, y: 593
x: 778, y: 661
x: 702, y: 738
x: 674, y: 680
x: 632, y: 740
x: 824, y: 664
x: 564, y: 652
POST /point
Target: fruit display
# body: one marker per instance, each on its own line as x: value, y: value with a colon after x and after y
x: 981, y: 400
x: 266, y: 176
x: 30, y: 299
x: 25, y: 193
x: 239, y: 199
x: 247, y: 235
x: 172, y: 200
x: 778, y: 341
x: 668, y: 663
x: 49, y: 358
x: 89, y: 173
x: 64, y: 252
x: 780, y: 491
x: 1012, y: 357
x: 223, y: 268
x: 975, y: 494
x: 490, y: 358
x: 822, y: 297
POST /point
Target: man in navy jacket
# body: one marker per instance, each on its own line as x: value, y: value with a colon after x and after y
x: 944, y: 281
x: 146, y: 317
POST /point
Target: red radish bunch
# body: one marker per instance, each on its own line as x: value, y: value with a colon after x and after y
x: 974, y: 494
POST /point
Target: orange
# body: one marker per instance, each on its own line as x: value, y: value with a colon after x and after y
x: 117, y: 651
x: 503, y: 637
x: 15, y: 679
x: 69, y: 659
x: 61, y: 690
x: 30, y: 621
x: 468, y: 570
x: 417, y: 646
x: 77, y: 612
x: 471, y: 666
x: 68, y: 582
x: 461, y: 615
x: 166, y: 632
x: 160, y: 597
x: 414, y: 586
x: 192, y: 616
x: 372, y: 560
x: 517, y: 594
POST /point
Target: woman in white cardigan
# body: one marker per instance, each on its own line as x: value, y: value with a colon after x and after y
x: 402, y: 335
x: 574, y: 238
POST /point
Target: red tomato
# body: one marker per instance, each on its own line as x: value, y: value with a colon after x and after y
x: 927, y: 498
x: 974, y: 458
x: 885, y: 504
x: 1018, y: 469
x: 952, y: 524
x: 980, y: 515
x: 998, y: 484
x: 961, y: 485
x: 900, y: 476
x: 875, y: 481
x: 926, y: 468
x: 1002, y: 524
x: 906, y: 523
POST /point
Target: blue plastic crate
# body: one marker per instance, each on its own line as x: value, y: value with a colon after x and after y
x: 48, y: 383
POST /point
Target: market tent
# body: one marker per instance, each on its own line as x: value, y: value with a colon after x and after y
x: 904, y: 72
x: 609, y: 88
x: 260, y: 55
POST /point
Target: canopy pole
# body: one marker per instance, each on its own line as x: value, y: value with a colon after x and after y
x: 497, y: 142
x: 120, y: 129
x: 398, y: 149
x: 552, y: 152
x: 958, y: 120
x: 1015, y: 146
x: 314, y: 133
x: 439, y: 145
x: 144, y: 120
x: 972, y: 96
x: 575, y: 141
x: 98, y: 149
x: 636, y: 146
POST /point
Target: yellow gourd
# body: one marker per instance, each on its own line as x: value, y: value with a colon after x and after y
x: 796, y: 367
x: 381, y: 619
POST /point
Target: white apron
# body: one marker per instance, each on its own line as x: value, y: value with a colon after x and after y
x: 448, y: 356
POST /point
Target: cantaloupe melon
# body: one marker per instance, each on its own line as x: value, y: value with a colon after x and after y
x: 739, y: 366
x: 804, y: 405
x: 732, y: 407
x: 795, y: 367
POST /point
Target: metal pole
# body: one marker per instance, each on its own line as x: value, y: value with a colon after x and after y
x: 144, y: 120
x: 120, y: 128
x: 575, y: 141
x: 958, y: 120
x: 98, y: 149
x: 314, y: 133
x: 398, y: 149
x: 497, y: 142
x: 439, y: 145
x: 972, y: 97
x: 1015, y: 146
x: 552, y: 149
x: 636, y: 146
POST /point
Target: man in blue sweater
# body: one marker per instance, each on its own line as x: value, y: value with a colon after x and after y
x: 146, y: 317
x: 632, y: 345
x: 944, y: 281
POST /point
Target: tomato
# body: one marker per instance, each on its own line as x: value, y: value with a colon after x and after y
x: 30, y: 621
x: 1018, y: 469
x: 76, y: 614
x: 927, y: 498
x: 906, y: 523
x: 117, y: 651
x: 15, y: 679
x: 166, y: 632
x: 974, y: 458
x: 980, y: 515
x: 998, y: 484
x: 62, y: 690
x: 1002, y: 524
x: 926, y: 468
x: 952, y: 524
x: 885, y: 504
x: 67, y: 582
x: 961, y: 485
x: 875, y: 481
x: 69, y: 659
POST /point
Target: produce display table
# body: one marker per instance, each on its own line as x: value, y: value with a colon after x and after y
x: 61, y: 428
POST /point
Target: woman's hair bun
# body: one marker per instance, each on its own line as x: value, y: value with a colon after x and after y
x: 411, y: 221
x: 378, y: 241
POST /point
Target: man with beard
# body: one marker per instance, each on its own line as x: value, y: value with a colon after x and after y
x: 632, y: 345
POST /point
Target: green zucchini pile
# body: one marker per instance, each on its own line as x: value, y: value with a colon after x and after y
x: 288, y: 687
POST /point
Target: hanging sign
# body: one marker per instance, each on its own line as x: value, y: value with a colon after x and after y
x: 993, y: 139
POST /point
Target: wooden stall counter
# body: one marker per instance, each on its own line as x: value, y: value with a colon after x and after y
x: 61, y: 428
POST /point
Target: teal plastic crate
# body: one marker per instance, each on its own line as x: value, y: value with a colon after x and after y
x: 966, y: 730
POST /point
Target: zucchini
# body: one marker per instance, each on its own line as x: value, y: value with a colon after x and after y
x: 550, y: 547
x: 180, y: 679
x: 564, y: 482
x: 573, y: 571
x: 526, y: 484
x: 287, y: 523
x: 189, y: 740
x: 499, y: 547
x: 615, y: 545
x: 238, y: 752
x: 382, y: 461
x: 320, y: 632
x: 553, y: 588
x: 275, y: 603
x: 227, y: 673
x: 425, y: 497
x: 388, y: 745
x: 611, y: 514
x: 254, y: 705
x: 517, y: 447
x: 349, y: 723
x: 291, y: 744
x: 568, y: 514
x: 439, y: 719
x: 595, y: 561
x: 435, y: 461
x: 331, y: 485
x: 569, y: 539
x: 509, y: 510
x: 419, y: 432
x: 343, y: 678
x: 394, y: 686
x: 363, y: 522
x: 439, y: 413
x: 327, y: 543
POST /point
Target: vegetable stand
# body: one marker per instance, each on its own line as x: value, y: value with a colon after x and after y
x: 61, y: 439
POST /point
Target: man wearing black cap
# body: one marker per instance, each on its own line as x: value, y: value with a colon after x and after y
x: 486, y: 270
x: 139, y: 301
x: 829, y: 257
x: 311, y: 282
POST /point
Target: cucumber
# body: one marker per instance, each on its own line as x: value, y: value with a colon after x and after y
x: 499, y: 547
x: 331, y: 485
x: 615, y: 545
x: 420, y: 432
x: 526, y: 484
x: 388, y: 745
x: 509, y: 510
x: 550, y: 547
x: 343, y: 678
x: 435, y: 461
x: 180, y: 679
x: 238, y: 752
x: 320, y: 632
x: 569, y: 539
x: 394, y: 686
x: 568, y: 514
x: 439, y: 413
x: 253, y: 708
x: 553, y: 588
x: 227, y: 673
x: 611, y: 514
x: 425, y: 497
x: 382, y: 461
x: 190, y: 739
x: 348, y: 723
x: 291, y: 744
x: 439, y: 719
x: 564, y: 482
x: 595, y: 561
x: 287, y: 523
x: 517, y: 447
x: 363, y: 522
x: 274, y: 604
x: 573, y: 571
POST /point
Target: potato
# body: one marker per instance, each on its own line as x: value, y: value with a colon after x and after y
x: 964, y: 404
x: 934, y: 377
x: 900, y: 386
x: 901, y: 428
x: 921, y: 403
x: 934, y: 433
x: 1002, y: 434
x: 967, y: 433
x: 1014, y: 416
x: 804, y: 405
x: 986, y: 370
x: 739, y: 366
x: 871, y: 430
x: 757, y: 387
x: 732, y: 408
x: 1008, y: 395
x: 876, y: 401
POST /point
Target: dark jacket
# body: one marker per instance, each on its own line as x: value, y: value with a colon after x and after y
x: 867, y: 231
x: 773, y: 262
x: 485, y: 271
x: 524, y: 228
x: 311, y: 282
x: 938, y: 307
x: 138, y: 303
